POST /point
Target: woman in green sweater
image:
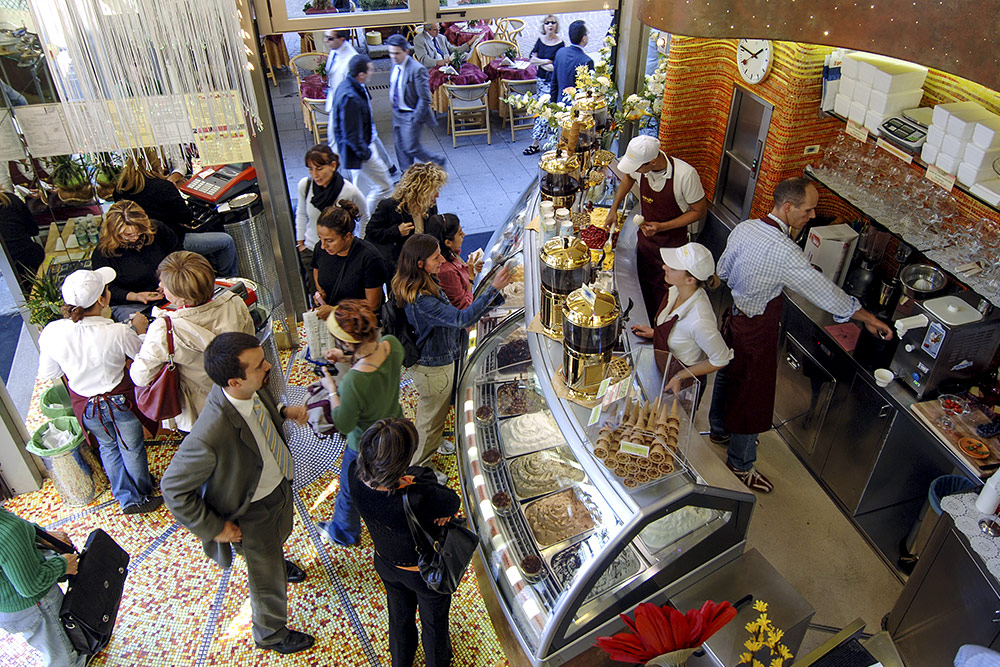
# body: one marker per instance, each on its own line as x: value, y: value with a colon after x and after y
x: 369, y: 391
x: 29, y: 597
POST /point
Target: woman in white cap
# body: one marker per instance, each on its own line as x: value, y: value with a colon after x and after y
x: 685, y: 324
x: 670, y: 198
x: 90, y: 350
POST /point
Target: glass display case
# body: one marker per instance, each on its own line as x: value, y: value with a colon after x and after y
x: 567, y: 542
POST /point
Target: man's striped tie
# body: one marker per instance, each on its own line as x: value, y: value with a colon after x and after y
x: 274, y: 442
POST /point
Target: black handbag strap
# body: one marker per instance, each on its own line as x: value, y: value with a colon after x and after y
x: 423, y: 540
x: 57, y: 545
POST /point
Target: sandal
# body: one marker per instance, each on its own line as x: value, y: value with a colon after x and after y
x: 531, y: 150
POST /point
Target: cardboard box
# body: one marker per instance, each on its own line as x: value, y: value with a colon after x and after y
x: 830, y: 249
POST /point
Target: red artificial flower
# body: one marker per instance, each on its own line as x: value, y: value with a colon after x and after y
x: 657, y: 630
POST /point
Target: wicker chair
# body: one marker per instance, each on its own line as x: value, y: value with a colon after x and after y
x: 319, y: 119
x: 509, y: 29
x: 489, y: 49
x: 468, y: 111
x: 302, y: 66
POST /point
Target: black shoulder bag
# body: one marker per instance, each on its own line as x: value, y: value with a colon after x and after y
x: 441, y: 562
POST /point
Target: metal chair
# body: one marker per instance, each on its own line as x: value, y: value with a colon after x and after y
x: 489, y: 49
x: 509, y: 29
x: 518, y: 119
x: 468, y: 111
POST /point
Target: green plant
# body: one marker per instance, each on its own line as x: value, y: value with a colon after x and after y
x: 511, y: 53
x: 68, y: 173
x: 373, y: 5
x: 44, y: 299
x: 106, y: 169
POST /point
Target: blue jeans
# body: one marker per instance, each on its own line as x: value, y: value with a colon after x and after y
x: 345, y: 527
x: 123, y: 449
x: 742, y: 446
x: 218, y: 247
x: 40, y: 626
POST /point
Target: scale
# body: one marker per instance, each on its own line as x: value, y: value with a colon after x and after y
x: 908, y: 131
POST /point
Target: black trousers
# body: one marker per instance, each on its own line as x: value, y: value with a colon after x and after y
x: 405, y: 592
x: 266, y: 525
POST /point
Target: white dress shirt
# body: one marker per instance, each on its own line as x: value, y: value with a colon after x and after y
x: 394, y: 80
x: 687, y: 184
x: 90, y: 353
x: 695, y: 336
x: 337, y: 63
x: 270, y: 476
x: 759, y: 261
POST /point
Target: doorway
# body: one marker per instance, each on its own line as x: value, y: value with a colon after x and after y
x: 749, y: 120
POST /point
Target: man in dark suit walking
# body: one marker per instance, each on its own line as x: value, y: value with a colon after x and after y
x: 410, y: 94
x: 568, y: 59
x: 229, y: 483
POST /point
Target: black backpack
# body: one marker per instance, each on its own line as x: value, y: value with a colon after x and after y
x: 395, y: 322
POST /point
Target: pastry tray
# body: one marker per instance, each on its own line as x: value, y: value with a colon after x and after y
x: 680, y: 467
x: 562, y: 483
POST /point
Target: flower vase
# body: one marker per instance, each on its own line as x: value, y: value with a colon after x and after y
x: 676, y: 658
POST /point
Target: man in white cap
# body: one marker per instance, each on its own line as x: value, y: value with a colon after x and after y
x: 671, y: 198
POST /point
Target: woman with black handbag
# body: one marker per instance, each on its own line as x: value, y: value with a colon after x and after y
x: 380, y: 479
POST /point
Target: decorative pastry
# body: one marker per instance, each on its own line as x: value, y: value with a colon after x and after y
x: 630, y: 483
x: 492, y: 458
x: 503, y: 504
x: 600, y: 453
x: 545, y: 471
x: 531, y: 567
x: 558, y: 517
x: 485, y: 416
x: 974, y: 449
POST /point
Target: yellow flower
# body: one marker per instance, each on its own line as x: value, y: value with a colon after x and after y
x: 752, y: 645
x: 784, y: 652
x: 777, y: 662
x: 746, y: 658
x: 760, y: 605
x: 758, y: 663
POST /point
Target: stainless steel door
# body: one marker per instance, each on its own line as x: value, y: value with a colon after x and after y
x: 804, y: 390
x: 749, y: 119
x: 864, y: 418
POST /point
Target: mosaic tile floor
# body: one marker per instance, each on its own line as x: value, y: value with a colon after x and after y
x: 179, y: 608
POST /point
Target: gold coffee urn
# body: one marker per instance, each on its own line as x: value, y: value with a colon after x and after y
x: 565, y: 266
x: 589, y: 335
x: 559, y: 178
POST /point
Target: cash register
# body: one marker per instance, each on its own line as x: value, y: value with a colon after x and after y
x: 213, y: 186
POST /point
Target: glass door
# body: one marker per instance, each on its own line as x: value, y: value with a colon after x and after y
x: 749, y: 118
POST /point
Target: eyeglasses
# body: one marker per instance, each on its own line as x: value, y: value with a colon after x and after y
x: 550, y: 23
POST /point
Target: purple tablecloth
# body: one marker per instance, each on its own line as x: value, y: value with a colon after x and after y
x: 314, y: 87
x: 468, y: 75
x: 495, y: 71
x: 458, y: 34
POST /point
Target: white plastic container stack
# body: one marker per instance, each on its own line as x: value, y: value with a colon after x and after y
x: 873, y: 88
x: 952, y: 142
x: 982, y: 150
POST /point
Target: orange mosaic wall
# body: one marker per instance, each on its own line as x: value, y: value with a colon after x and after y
x: 701, y: 77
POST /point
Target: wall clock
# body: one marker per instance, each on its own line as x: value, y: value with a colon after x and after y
x: 754, y: 58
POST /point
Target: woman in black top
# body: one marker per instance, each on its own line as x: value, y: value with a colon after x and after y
x: 542, y: 55
x: 133, y: 245
x: 344, y: 266
x: 376, y: 478
x: 141, y: 181
x: 396, y: 218
x: 18, y: 229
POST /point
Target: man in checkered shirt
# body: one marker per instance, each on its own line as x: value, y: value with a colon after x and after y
x: 760, y: 261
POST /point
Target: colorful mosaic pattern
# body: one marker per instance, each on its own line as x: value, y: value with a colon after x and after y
x: 179, y: 608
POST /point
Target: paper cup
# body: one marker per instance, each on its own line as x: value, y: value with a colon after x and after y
x: 884, y: 377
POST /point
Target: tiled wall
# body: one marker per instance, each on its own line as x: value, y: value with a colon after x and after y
x: 700, y: 80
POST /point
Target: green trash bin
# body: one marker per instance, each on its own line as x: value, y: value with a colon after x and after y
x: 55, y: 402
x: 70, y: 472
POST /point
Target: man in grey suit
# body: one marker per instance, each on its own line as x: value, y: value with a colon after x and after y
x: 229, y: 483
x: 410, y: 95
x: 432, y: 49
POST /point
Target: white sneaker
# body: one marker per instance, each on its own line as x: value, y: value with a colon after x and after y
x: 441, y: 477
x: 446, y: 447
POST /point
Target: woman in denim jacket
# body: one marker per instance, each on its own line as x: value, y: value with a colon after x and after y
x: 439, y: 326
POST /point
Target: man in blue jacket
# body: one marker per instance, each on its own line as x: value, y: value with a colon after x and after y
x: 568, y: 59
x: 353, y: 130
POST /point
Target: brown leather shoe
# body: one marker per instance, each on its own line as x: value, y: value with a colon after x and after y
x: 295, y: 641
x: 752, y: 479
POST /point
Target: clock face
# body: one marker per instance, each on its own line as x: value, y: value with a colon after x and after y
x: 753, y: 59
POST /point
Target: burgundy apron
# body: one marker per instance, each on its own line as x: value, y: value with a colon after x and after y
x: 753, y: 371
x: 658, y: 207
x: 661, y: 350
x: 124, y: 388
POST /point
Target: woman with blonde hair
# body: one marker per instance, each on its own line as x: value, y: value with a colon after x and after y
x: 399, y: 216
x: 143, y: 182
x: 132, y: 245
x: 367, y: 392
x: 188, y: 282
x: 440, y: 327
x: 543, y: 53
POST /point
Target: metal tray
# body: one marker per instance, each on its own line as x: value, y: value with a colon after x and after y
x: 626, y: 566
x: 564, y: 453
x: 586, y: 494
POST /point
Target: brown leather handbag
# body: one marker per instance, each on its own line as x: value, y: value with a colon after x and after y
x: 162, y: 399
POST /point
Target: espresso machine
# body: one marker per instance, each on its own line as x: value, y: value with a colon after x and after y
x: 565, y: 266
x: 591, y: 324
x: 945, y: 338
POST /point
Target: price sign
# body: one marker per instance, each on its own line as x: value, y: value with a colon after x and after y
x: 603, y: 389
x: 595, y: 414
x: 615, y: 392
x: 856, y: 130
x: 940, y: 177
x: 589, y: 295
x: 894, y: 150
x: 634, y: 448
